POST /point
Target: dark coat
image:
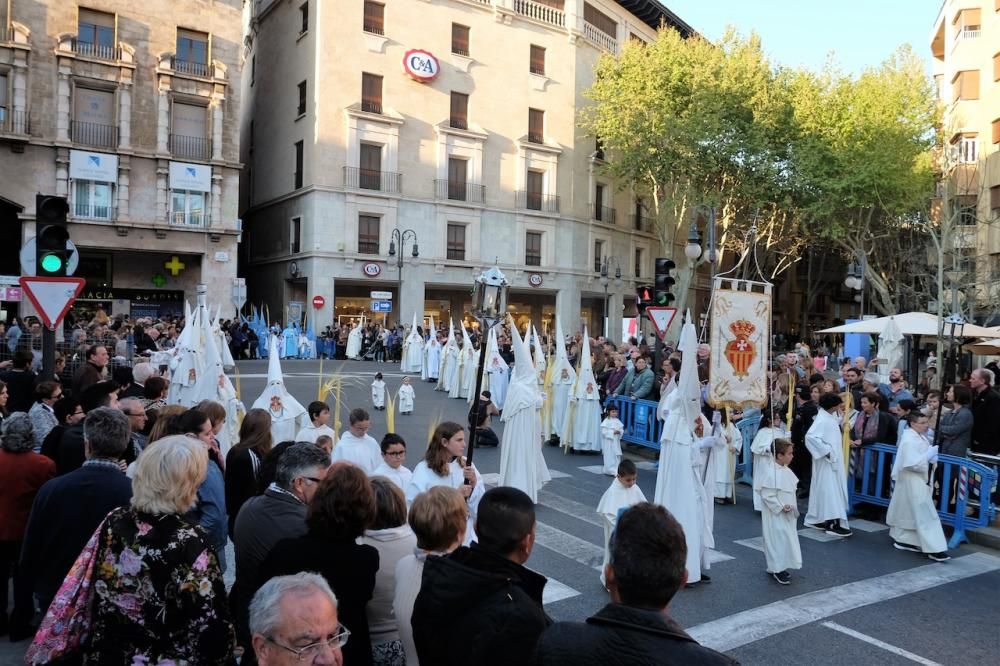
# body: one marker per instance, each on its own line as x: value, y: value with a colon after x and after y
x: 71, y: 452
x: 86, y: 375
x: 619, y: 635
x: 986, y: 422
x: 64, y: 515
x: 490, y: 607
x: 242, y: 472
x: 20, y: 389
x: 350, y: 570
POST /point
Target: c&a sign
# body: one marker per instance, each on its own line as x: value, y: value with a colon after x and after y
x: 421, y: 65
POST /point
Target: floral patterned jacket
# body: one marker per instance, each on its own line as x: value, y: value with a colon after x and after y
x: 159, y: 597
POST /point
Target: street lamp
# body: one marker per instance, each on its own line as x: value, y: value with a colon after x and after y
x: 489, y: 304
x: 856, y: 279
x: 605, y: 280
x: 693, y: 248
x: 401, y: 237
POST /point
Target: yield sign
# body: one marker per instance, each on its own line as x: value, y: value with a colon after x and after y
x: 661, y: 317
x: 52, y: 296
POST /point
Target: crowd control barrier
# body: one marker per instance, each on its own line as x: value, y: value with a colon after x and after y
x: 639, y: 416
x: 959, y: 479
x: 748, y: 428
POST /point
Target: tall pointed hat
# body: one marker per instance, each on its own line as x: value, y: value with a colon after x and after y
x: 586, y: 383
x: 276, y: 384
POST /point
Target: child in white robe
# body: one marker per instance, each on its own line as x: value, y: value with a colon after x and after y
x: 319, y: 415
x: 378, y: 392
x: 779, y: 516
x: 405, y: 397
x: 913, y: 520
x: 611, y: 437
x: 356, y: 445
x: 724, y: 460
x: 622, y: 494
x: 393, y: 456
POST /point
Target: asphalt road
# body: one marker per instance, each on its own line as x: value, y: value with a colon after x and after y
x: 856, y: 601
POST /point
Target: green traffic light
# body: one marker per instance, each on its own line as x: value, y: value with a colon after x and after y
x: 51, y: 263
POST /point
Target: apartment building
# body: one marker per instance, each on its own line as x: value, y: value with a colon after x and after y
x: 131, y: 111
x: 965, y: 44
x: 394, y: 149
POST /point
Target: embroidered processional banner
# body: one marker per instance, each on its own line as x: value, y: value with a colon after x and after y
x: 740, y: 343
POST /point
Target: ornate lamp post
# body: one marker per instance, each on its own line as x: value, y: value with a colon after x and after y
x: 489, y: 305
x: 401, y: 237
x: 605, y: 280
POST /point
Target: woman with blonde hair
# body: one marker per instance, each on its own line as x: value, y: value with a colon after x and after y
x: 443, y: 465
x: 166, y: 422
x: 159, y: 595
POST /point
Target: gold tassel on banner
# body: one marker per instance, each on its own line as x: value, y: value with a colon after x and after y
x: 791, y: 400
x: 848, y: 406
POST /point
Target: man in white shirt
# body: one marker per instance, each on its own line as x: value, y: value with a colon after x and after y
x: 356, y: 445
x: 319, y: 414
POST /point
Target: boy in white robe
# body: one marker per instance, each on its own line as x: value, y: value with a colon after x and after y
x: 319, y: 414
x: 778, y: 518
x: 913, y: 520
x: 724, y: 460
x: 356, y: 445
x: 828, y: 501
x: 378, y: 392
x: 622, y: 494
x: 763, y: 456
x: 405, y: 397
x: 393, y: 456
x: 611, y: 437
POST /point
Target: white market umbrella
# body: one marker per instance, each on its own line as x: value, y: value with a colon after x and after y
x: 890, y: 349
x: 983, y: 347
x: 910, y: 323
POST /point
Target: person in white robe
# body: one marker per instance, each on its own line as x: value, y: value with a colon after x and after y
x: 213, y: 384
x: 220, y: 340
x: 413, y: 349
x: 449, y: 361
x: 497, y: 372
x: 780, y: 515
x: 563, y: 377
x: 356, y: 445
x: 405, y: 396
x: 683, y: 485
x: 611, y: 441
x: 378, y: 392
x: 622, y: 494
x: 393, y: 456
x: 541, y: 367
x: 185, y: 365
x: 582, y: 423
x: 305, y: 346
x: 319, y: 415
x: 287, y: 414
x: 763, y: 455
x: 522, y: 464
x: 290, y: 340
x: 913, y: 520
x: 724, y: 460
x: 458, y: 367
x: 432, y: 356
x: 444, y: 465
x: 353, y: 350
x: 828, y: 501
x: 470, y: 361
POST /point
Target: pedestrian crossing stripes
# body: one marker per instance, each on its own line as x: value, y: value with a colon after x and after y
x: 818, y: 535
x: 555, y: 591
x: 867, y: 526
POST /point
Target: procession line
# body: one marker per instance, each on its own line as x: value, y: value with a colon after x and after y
x: 906, y: 654
x: 733, y: 631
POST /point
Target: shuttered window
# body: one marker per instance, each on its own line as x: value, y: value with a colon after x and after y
x: 600, y: 20
x: 460, y: 39
x: 371, y: 93
x: 965, y: 85
x: 371, y: 166
x: 533, y: 248
x: 368, y: 231
x: 456, y: 242
x: 459, y: 110
x: 536, y: 126
x: 537, y: 63
x: 374, y: 21
x: 995, y: 197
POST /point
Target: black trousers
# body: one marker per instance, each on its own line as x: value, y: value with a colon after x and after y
x: 24, y: 606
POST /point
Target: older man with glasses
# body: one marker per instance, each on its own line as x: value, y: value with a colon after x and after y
x: 132, y: 407
x: 294, y: 620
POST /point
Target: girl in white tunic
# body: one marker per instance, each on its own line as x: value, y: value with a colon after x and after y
x: 378, y: 392
x: 443, y: 465
x: 405, y: 397
x: 777, y: 493
x: 611, y: 437
x: 622, y: 494
x: 913, y: 521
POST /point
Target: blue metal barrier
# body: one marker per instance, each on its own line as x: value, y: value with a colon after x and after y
x: 639, y: 416
x: 744, y: 463
x: 872, y: 487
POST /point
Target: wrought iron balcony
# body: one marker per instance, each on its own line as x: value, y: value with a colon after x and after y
x: 641, y: 223
x: 193, y: 218
x: 192, y: 68
x: 190, y: 147
x: 457, y: 190
x: 14, y: 122
x: 93, y: 134
x: 92, y: 211
x: 101, y: 51
x: 605, y: 214
x: 547, y: 203
x: 369, y: 179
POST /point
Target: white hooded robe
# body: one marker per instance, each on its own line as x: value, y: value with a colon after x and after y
x: 290, y: 416
x: 828, y: 491
x: 912, y: 517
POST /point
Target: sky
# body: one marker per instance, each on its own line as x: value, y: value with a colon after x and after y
x: 861, y: 33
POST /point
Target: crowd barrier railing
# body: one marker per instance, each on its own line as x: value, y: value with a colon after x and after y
x: 639, y: 417
x: 748, y: 428
x: 966, y: 489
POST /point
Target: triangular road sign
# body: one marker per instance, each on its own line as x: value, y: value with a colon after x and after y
x: 52, y: 296
x: 661, y: 318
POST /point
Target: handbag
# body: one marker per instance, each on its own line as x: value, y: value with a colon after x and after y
x: 67, y: 624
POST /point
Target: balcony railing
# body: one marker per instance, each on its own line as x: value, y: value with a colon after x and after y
x: 641, y: 223
x: 604, y: 214
x: 459, y: 122
x: 190, y: 147
x: 91, y: 211
x: 14, y: 122
x: 541, y: 13
x: 374, y: 27
x: 193, y: 218
x: 192, y: 68
x: 546, y: 203
x: 368, y: 179
x: 457, y: 190
x: 601, y: 38
x: 93, y: 134
x: 371, y: 105
x: 102, y: 51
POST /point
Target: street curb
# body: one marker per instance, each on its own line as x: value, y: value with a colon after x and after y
x: 986, y: 536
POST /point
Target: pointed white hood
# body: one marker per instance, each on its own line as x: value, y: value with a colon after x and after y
x: 186, y: 364
x: 539, y: 354
x: 451, y: 344
x: 524, y: 371
x: 466, y: 342
x: 586, y: 383
x: 562, y: 371
x: 414, y: 336
x: 276, y: 386
x: 494, y: 361
x: 433, y: 339
x: 522, y: 392
x: 688, y: 387
x: 225, y: 354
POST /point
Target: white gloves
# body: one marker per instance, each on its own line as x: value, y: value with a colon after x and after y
x: 932, y: 455
x: 708, y: 442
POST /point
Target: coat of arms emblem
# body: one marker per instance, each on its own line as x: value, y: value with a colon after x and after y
x: 741, y: 352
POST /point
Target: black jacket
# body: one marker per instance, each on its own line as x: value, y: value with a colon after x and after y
x: 490, y: 607
x: 626, y: 636
x: 805, y: 414
x: 986, y: 422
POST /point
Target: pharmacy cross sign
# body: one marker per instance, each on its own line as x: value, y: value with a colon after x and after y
x: 159, y: 280
x: 175, y: 266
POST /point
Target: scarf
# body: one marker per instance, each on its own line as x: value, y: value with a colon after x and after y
x: 866, y: 427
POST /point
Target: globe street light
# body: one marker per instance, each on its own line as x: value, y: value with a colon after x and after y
x: 489, y: 304
x: 401, y: 237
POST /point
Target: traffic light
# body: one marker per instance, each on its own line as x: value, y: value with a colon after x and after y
x: 663, y: 282
x: 643, y: 298
x: 52, y: 250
